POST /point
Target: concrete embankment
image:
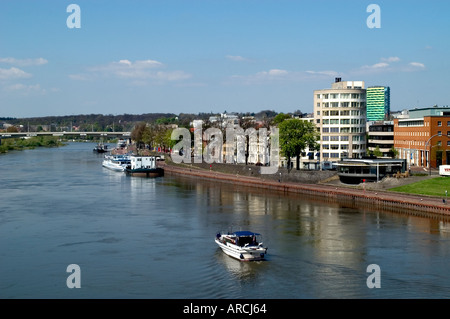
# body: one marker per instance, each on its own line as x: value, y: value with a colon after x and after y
x: 406, y: 203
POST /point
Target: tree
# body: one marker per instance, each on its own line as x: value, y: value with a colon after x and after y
x: 295, y: 136
x: 377, y: 152
x: 393, y: 152
x: 280, y: 118
x: 138, y: 133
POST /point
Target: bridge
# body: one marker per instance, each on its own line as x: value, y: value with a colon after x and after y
x: 80, y: 134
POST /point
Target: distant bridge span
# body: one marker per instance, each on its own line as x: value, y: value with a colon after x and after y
x: 81, y: 134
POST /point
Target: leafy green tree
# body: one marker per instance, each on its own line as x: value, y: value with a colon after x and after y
x: 393, y: 152
x: 138, y: 133
x: 295, y: 136
x: 377, y: 152
x: 280, y: 117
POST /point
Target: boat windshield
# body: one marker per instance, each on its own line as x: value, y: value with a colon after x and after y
x: 250, y: 240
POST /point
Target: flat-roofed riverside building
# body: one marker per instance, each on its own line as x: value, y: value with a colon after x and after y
x: 423, y: 140
x: 381, y: 136
x: 378, y: 99
x: 340, y: 118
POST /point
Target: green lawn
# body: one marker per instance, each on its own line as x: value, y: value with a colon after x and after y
x: 433, y: 186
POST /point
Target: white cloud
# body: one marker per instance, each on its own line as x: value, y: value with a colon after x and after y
x: 376, y: 66
x: 277, y: 72
x: 137, y: 71
x: 273, y: 75
x: 391, y: 59
x: 24, y: 62
x: 390, y: 64
x: 171, y: 76
x: 324, y: 73
x: 417, y: 65
x: 237, y: 58
x: 13, y: 73
x: 263, y: 76
x: 25, y: 89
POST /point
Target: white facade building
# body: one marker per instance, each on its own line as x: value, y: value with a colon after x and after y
x: 340, y: 116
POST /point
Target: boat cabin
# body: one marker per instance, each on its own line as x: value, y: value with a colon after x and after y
x: 143, y: 162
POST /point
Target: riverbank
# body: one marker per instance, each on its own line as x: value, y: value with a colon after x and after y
x: 324, y: 184
x: 18, y: 144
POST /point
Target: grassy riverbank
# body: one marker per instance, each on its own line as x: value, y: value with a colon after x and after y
x: 17, y: 144
x: 433, y: 187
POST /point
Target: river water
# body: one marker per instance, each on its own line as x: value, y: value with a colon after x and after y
x: 135, y: 238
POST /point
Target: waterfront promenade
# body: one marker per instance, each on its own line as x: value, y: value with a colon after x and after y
x: 406, y: 203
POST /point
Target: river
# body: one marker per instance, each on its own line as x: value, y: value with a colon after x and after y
x: 153, y: 238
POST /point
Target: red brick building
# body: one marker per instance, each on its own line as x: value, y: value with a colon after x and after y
x: 416, y: 138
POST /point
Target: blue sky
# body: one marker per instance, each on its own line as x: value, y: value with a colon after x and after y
x: 190, y: 56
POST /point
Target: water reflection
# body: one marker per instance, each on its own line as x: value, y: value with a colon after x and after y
x: 153, y: 237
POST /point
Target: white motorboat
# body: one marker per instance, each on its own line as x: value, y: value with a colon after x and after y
x: 116, y: 162
x: 242, y: 245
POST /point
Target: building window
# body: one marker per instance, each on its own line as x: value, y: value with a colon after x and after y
x: 344, y: 138
x: 318, y: 121
x: 325, y: 130
x: 439, y: 143
x: 439, y: 133
x: 326, y: 155
x: 325, y: 146
x: 334, y: 138
x: 439, y: 123
x: 334, y: 129
x: 325, y: 138
x: 448, y: 143
x: 318, y: 112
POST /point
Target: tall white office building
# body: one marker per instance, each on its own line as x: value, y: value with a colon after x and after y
x: 340, y: 117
